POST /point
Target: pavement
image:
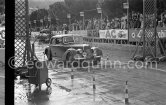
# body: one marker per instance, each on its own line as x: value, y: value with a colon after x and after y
x: 146, y: 86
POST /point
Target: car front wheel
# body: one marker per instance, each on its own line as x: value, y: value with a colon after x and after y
x: 49, y: 56
x: 97, y: 61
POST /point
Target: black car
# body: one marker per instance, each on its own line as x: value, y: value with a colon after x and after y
x: 45, y: 36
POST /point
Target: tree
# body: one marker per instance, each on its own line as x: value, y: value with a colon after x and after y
x: 2, y: 6
x: 38, y: 15
x: 111, y: 8
x: 58, y: 10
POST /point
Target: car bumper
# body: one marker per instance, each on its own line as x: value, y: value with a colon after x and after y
x: 83, y: 62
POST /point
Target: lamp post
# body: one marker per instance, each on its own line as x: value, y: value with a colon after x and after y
x: 35, y: 23
x: 41, y: 20
x: 57, y: 23
x: 144, y: 41
x: 49, y: 19
x: 82, y: 14
x: 69, y: 17
x: 99, y: 10
x: 126, y: 6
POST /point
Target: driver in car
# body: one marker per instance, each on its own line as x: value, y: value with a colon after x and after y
x: 58, y: 40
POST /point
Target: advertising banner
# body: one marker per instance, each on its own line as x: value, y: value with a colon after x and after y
x: 135, y: 34
x: 114, y: 34
x: 102, y: 33
x: 79, y: 32
x: 93, y: 33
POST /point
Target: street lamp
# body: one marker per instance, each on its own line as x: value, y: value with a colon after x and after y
x: 49, y: 19
x: 35, y: 23
x: 41, y: 20
x: 82, y: 14
x: 126, y: 6
x: 69, y: 16
x: 99, y: 10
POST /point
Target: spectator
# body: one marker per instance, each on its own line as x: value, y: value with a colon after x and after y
x: 123, y: 22
x: 164, y: 19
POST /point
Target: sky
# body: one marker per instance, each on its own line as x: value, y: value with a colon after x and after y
x: 41, y: 3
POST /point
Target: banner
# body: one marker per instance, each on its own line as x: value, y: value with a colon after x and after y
x: 102, y: 33
x: 114, y: 34
x: 79, y: 32
x: 93, y: 33
x: 135, y: 34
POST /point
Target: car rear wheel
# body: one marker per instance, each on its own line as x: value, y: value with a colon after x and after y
x: 69, y: 60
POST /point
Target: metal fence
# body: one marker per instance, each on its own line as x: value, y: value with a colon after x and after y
x: 21, y: 32
x: 149, y: 44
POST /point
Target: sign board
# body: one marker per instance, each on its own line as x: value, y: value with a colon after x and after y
x: 34, y: 21
x: 114, y: 34
x: 81, y: 13
x: 99, y: 10
x: 126, y: 5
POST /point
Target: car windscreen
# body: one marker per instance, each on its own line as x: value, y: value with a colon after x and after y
x: 68, y: 39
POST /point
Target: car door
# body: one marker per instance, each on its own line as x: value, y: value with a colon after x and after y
x: 57, y: 48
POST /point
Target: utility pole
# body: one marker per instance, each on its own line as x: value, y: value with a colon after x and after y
x: 144, y: 41
x: 126, y: 6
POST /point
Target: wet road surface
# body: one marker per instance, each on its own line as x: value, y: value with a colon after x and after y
x: 145, y: 86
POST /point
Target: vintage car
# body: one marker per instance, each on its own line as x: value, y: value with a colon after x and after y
x: 65, y: 48
x: 44, y: 36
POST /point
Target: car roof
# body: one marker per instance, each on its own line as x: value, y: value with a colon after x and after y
x: 45, y: 30
x: 63, y: 35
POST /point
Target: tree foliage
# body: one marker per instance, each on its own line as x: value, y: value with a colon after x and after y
x: 111, y: 9
x: 2, y: 5
x: 58, y: 10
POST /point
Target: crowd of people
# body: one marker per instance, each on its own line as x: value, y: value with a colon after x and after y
x: 135, y: 21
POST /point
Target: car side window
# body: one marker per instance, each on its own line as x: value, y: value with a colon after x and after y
x: 53, y: 41
x: 56, y: 41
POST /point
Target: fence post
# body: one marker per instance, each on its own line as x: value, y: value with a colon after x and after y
x: 94, y: 85
x: 72, y: 77
x: 126, y: 94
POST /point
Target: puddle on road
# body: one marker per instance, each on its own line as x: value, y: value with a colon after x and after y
x: 61, y: 90
x: 38, y: 97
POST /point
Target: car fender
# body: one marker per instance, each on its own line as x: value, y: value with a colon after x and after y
x: 71, y: 51
x: 98, y: 51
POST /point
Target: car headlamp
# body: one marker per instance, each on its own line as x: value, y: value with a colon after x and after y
x: 79, y: 51
x: 84, y: 54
